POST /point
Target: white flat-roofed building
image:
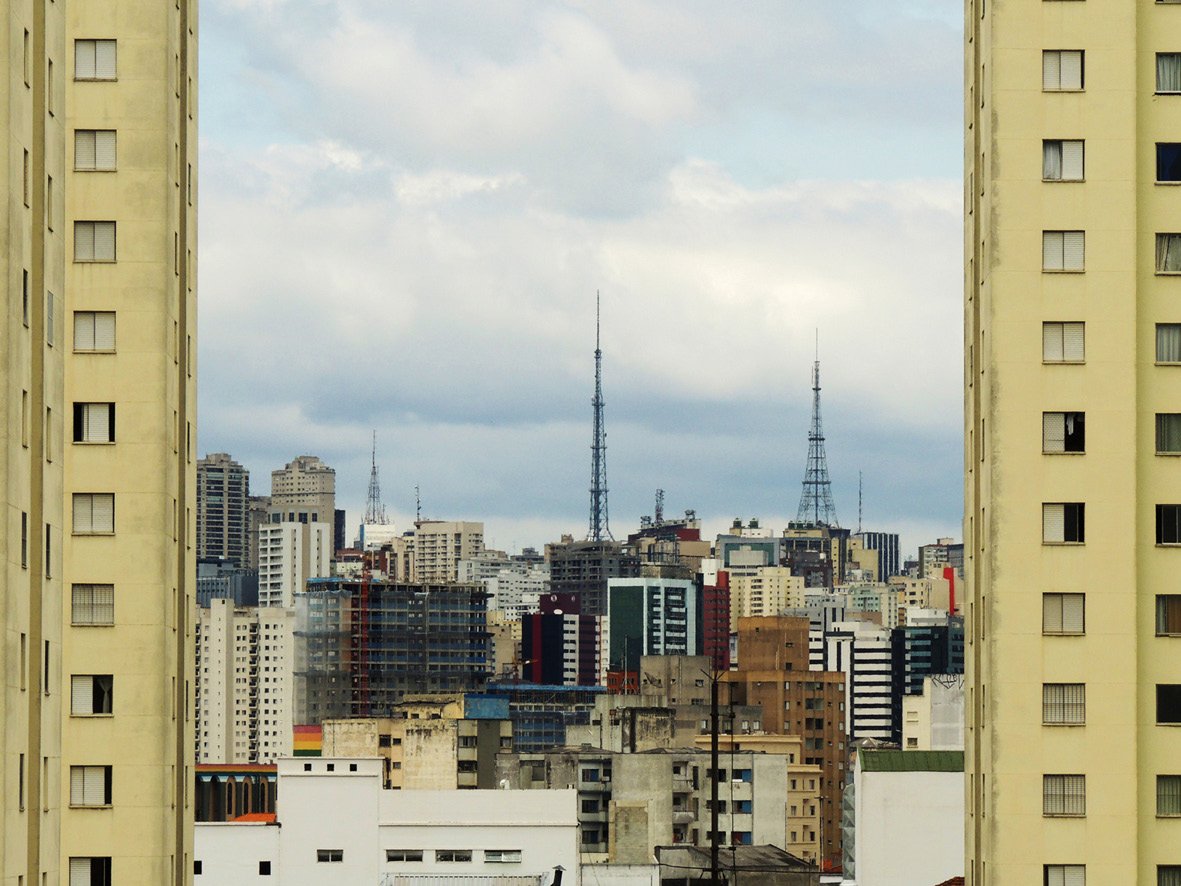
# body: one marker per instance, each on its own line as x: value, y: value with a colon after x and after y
x: 334, y: 824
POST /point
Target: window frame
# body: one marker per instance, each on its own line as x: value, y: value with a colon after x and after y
x: 87, y: 422
x: 89, y: 772
x: 1166, y: 613
x: 329, y: 856
x: 1168, y: 523
x: 1173, y: 795
x: 1076, y: 437
x: 1157, y: 72
x: 1061, y: 143
x: 1052, y: 329
x: 80, y: 44
x: 94, y: 134
x: 1064, y: 796
x: 1058, y: 599
x: 1171, y: 692
x: 76, y: 499
x: 92, y: 587
x: 453, y: 856
x: 80, y: 227
x: 1063, y: 245
x: 1064, y: 710
x: 1049, y: 870
x: 1082, y: 71
x: 1078, y: 519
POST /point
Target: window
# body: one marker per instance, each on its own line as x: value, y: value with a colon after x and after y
x: 502, y: 856
x: 1062, y: 523
x: 94, y: 330
x: 1065, y: 875
x: 590, y: 774
x: 1062, y: 250
x: 1062, y: 69
x: 1168, y: 162
x: 1168, y: 875
x: 49, y: 324
x: 1168, y: 615
x: 329, y: 855
x: 1168, y: 702
x: 453, y: 855
x: 591, y: 805
x: 92, y: 871
x: 1168, y: 432
x: 1064, y: 704
x: 94, y: 241
x: 94, y: 149
x: 94, y: 422
x: 1168, y: 72
x: 93, y: 605
x: 94, y: 513
x: 1168, y: 342
x: 1064, y: 431
x: 403, y: 855
x: 1063, y: 613
x: 91, y: 694
x: 24, y: 540
x: 1168, y: 253
x: 1168, y: 524
x: 1063, y: 342
x: 1168, y: 795
x: 1062, y: 160
x: 197, y: 867
x: 90, y: 785
x: 94, y: 59
x: 1064, y: 795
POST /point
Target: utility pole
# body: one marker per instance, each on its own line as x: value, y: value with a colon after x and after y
x: 715, y: 837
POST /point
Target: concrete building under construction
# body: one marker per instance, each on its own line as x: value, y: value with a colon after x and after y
x: 362, y: 645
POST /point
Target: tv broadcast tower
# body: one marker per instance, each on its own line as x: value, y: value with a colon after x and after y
x: 816, y: 505
x: 600, y: 528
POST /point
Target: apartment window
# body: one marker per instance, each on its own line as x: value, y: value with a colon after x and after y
x: 24, y: 540
x: 1064, y: 875
x: 1062, y: 160
x: 1062, y: 523
x: 1168, y: 524
x: 94, y: 330
x: 90, y: 785
x: 1064, y: 795
x: 1168, y: 875
x: 94, y: 59
x: 453, y: 855
x: 403, y: 855
x: 92, y: 605
x: 94, y: 149
x: 1168, y: 703
x: 25, y: 297
x: 1168, y: 162
x: 1062, y: 250
x: 94, y: 422
x: 91, y: 694
x: 502, y: 856
x: 1062, y: 69
x: 1168, y: 432
x: 1064, y: 432
x: 1168, y: 615
x: 1168, y: 795
x: 329, y: 855
x: 92, y: 871
x: 1168, y: 72
x: 1168, y: 253
x: 94, y: 513
x: 264, y: 868
x: 1064, y: 704
x: 1063, y: 613
x: 94, y: 241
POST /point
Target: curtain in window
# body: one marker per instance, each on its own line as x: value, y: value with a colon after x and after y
x: 1168, y: 795
x: 1168, y: 72
x: 1168, y: 432
x: 1168, y: 614
x: 1168, y: 253
x: 1168, y: 342
x: 1052, y: 160
x: 1168, y: 875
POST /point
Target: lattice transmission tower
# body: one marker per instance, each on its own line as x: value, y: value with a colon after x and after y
x: 816, y: 505
x: 600, y: 528
x: 374, y: 509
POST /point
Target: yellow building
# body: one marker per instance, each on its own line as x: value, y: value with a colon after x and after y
x: 763, y: 591
x: 1073, y: 401
x: 98, y: 242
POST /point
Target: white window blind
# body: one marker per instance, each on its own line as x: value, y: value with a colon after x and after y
x: 94, y: 330
x: 88, y: 785
x: 1066, y: 875
x: 94, y: 241
x: 1062, y: 250
x: 1064, y: 795
x: 1063, y: 613
x: 81, y: 694
x: 94, y: 59
x: 1063, y: 342
x: 1053, y: 434
x: 1062, y: 160
x: 80, y: 872
x: 94, y: 149
x: 94, y: 512
x: 95, y: 423
x: 1064, y: 703
x: 1168, y: 253
x: 1062, y: 69
x: 1053, y: 523
x: 92, y: 605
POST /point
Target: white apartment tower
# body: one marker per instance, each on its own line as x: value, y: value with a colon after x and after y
x: 288, y: 555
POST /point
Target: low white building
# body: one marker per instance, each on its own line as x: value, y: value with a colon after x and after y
x: 934, y: 721
x: 335, y: 825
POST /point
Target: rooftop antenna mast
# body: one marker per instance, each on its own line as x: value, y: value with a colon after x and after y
x: 374, y: 509
x: 658, y: 517
x: 859, y: 479
x: 417, y: 506
x: 600, y: 528
x: 816, y: 505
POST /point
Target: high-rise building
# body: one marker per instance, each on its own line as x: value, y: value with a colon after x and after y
x: 887, y: 546
x: 652, y: 616
x: 585, y: 567
x: 1070, y: 525
x: 223, y: 486
x: 288, y: 555
x: 304, y: 492
x: 440, y: 546
x: 98, y: 256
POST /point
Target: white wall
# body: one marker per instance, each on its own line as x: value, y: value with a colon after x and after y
x: 229, y: 853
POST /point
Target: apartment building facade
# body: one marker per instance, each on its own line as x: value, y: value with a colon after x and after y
x: 223, y: 486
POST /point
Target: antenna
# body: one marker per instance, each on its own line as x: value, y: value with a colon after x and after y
x: 816, y: 503
x: 374, y: 509
x: 417, y: 506
x: 859, y: 478
x: 600, y: 528
x: 658, y: 517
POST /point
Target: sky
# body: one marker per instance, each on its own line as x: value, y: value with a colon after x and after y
x: 406, y: 210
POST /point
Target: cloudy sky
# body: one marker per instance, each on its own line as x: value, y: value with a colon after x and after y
x: 406, y: 209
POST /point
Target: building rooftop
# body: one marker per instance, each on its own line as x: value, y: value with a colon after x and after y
x: 911, y: 761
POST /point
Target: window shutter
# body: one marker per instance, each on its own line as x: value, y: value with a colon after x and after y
x: 84, y: 140
x: 96, y: 422
x: 1052, y: 613
x: 104, y: 331
x: 1053, y: 432
x: 81, y: 608
x: 1072, y: 160
x: 1073, y: 347
x: 83, y: 59
x: 83, y: 520
x: 84, y: 331
x: 1072, y: 613
x: 1053, y: 523
x: 1051, y: 69
x: 80, y: 872
x: 83, y: 241
x: 104, y: 241
x: 104, y: 604
x: 104, y: 59
x: 104, y: 149
x: 1071, y: 69
x: 1074, y: 875
x: 1052, y: 344
x: 94, y: 786
x: 81, y: 694
x: 77, y: 785
x: 103, y: 512
x: 1072, y: 250
x: 1051, y: 250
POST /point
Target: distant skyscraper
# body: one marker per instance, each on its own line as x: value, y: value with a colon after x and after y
x: 223, y: 487
x: 887, y: 546
x: 303, y: 492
